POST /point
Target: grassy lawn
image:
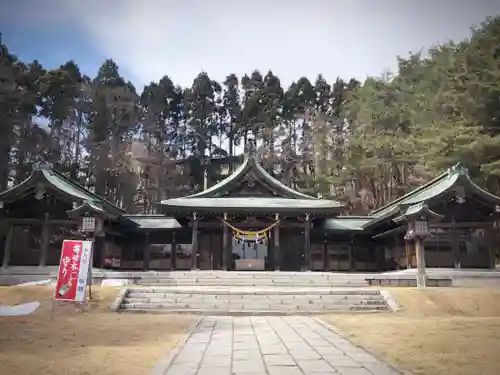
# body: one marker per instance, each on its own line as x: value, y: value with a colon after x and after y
x: 94, y: 342
x: 442, y: 331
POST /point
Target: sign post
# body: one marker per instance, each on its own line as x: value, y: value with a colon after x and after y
x: 72, y: 278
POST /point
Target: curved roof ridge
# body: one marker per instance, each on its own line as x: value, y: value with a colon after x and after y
x: 240, y: 170
x: 250, y: 162
x: 437, y: 179
x: 279, y: 184
x: 83, y: 189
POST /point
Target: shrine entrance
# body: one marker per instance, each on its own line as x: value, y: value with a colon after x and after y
x: 249, y: 253
x: 250, y: 247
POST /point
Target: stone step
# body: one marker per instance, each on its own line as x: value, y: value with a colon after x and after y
x: 252, y: 282
x: 249, y: 275
x: 245, y: 274
x: 252, y: 304
x: 229, y: 301
x: 250, y: 312
x: 284, y: 299
x: 272, y: 301
x: 255, y: 291
x: 254, y: 307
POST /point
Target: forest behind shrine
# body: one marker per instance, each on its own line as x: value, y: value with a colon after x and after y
x: 363, y: 143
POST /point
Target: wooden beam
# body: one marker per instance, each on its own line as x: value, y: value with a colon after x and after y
x: 39, y: 221
x: 484, y: 224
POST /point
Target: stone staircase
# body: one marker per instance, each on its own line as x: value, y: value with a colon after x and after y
x: 253, y: 279
x: 249, y: 301
x: 251, y: 293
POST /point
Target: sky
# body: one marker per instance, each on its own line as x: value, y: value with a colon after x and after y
x: 179, y: 38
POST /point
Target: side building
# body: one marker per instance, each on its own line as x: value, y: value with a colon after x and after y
x: 250, y: 220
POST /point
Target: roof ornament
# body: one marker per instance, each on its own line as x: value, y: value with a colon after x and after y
x: 250, y: 148
x: 460, y: 194
x: 459, y: 168
x: 42, y: 164
x: 39, y: 192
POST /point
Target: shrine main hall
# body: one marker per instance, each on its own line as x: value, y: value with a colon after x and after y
x: 251, y: 221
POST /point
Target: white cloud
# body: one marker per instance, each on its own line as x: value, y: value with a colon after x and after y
x: 180, y: 38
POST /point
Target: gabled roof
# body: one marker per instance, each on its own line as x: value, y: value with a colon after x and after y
x: 284, y: 199
x: 257, y: 204
x: 86, y: 207
x: 250, y: 164
x: 44, y: 175
x: 455, y: 176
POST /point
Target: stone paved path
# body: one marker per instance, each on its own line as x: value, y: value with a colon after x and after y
x: 271, y: 346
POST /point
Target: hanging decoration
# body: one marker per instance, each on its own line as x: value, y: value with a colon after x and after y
x: 250, y: 236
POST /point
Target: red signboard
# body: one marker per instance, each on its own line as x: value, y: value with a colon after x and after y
x: 73, y: 271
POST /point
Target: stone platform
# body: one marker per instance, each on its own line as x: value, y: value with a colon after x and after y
x: 437, y: 277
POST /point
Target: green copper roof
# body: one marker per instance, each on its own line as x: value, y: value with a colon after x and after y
x: 46, y: 176
x: 87, y: 206
x: 251, y: 164
x: 419, y: 210
x: 346, y: 223
x: 151, y: 222
x: 263, y: 204
x: 454, y: 176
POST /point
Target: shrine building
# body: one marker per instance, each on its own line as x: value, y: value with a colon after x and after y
x: 251, y: 221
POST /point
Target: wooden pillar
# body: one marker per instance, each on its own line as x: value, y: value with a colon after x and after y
x: 350, y: 256
x: 269, y: 258
x: 276, y: 249
x: 307, y: 243
x: 173, y: 253
x: 146, y: 254
x: 44, y: 243
x: 379, y: 257
x: 408, y: 252
x: 455, y: 242
x: 490, y: 238
x: 8, y: 246
x: 226, y: 251
x: 421, y: 274
x: 326, y: 258
x: 195, y: 255
x: 398, y: 253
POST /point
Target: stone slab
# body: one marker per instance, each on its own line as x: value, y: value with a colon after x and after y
x: 270, y: 345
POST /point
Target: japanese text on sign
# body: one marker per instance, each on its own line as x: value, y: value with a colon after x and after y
x: 73, y: 271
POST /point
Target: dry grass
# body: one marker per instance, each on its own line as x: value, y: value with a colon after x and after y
x: 94, y: 342
x: 442, y: 331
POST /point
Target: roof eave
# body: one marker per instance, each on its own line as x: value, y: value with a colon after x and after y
x: 15, y: 191
x: 91, y: 207
x: 107, y: 206
x: 480, y: 191
x: 418, y: 210
x: 376, y: 220
x: 312, y: 210
x: 137, y: 225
